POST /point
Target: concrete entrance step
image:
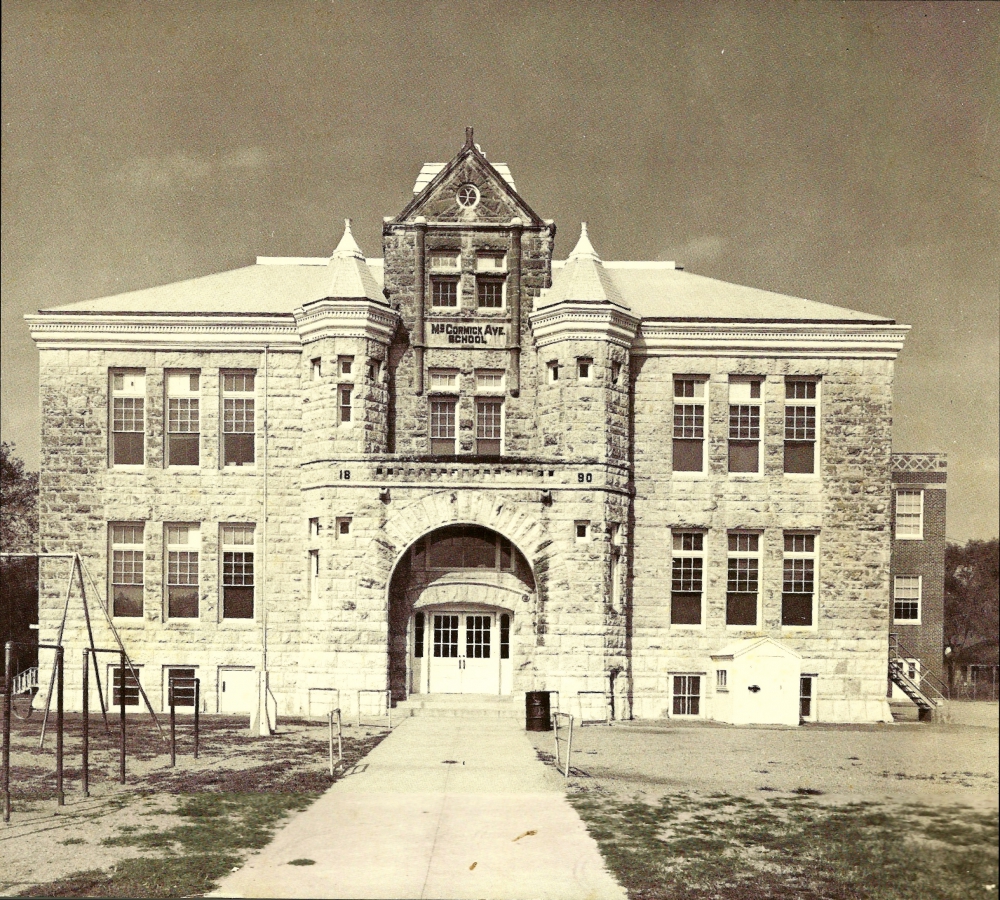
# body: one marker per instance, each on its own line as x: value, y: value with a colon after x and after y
x: 465, y: 705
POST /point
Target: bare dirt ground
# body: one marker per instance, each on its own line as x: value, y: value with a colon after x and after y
x: 45, y: 843
x: 906, y: 761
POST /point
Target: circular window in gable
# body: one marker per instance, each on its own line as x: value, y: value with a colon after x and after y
x: 467, y: 196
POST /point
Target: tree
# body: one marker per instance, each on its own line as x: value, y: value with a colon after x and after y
x: 18, y: 504
x: 971, y: 579
x: 18, y: 534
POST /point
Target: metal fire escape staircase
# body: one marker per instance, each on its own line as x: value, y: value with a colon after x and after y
x: 925, y: 696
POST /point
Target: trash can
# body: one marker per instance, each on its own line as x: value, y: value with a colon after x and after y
x: 536, y: 711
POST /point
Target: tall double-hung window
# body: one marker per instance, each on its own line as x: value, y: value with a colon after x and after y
x: 798, y: 590
x: 744, y: 424
x: 489, y: 426
x: 183, y: 555
x: 128, y: 417
x: 238, y: 418
x: 689, y: 424
x: 183, y: 418
x: 237, y: 571
x: 801, y: 403
x: 909, y: 515
x: 687, y: 578
x: 743, y: 580
x: 127, y: 554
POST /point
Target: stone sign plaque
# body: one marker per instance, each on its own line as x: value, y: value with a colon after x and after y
x: 474, y: 335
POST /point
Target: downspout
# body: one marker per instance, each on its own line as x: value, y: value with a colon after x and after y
x: 265, y: 687
x: 418, y: 324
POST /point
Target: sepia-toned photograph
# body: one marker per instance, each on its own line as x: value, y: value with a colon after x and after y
x: 500, y: 451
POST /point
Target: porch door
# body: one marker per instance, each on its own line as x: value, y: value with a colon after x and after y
x: 481, y: 669
x: 464, y: 659
x: 445, y: 668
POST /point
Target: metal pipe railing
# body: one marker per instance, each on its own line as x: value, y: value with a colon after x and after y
x: 340, y: 739
x: 569, y: 743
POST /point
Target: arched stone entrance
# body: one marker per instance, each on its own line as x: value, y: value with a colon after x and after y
x: 460, y: 602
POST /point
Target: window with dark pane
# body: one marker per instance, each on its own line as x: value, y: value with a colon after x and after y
x: 689, y: 425
x: 800, y: 426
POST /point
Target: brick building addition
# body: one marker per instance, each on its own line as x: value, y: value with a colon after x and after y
x: 469, y: 467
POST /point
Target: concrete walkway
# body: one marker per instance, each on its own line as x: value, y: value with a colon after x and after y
x: 443, y: 807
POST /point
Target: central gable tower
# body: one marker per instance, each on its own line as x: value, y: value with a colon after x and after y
x: 464, y: 261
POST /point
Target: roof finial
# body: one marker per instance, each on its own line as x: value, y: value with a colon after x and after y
x: 348, y: 246
x: 583, y: 246
x: 468, y: 138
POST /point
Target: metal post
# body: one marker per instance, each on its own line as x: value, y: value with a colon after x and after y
x: 197, y: 704
x: 388, y: 707
x: 555, y: 735
x: 121, y: 707
x: 569, y: 746
x: 173, y: 725
x: 59, y: 726
x: 340, y: 737
x: 7, y: 686
x: 330, y: 717
x: 85, y: 770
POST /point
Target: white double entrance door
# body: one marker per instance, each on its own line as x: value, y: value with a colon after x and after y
x: 464, y: 653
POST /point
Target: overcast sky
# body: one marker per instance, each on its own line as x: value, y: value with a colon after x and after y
x: 846, y: 153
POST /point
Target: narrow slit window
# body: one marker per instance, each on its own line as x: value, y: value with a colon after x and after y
x: 418, y: 635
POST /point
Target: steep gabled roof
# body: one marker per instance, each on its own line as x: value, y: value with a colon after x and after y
x: 469, y: 165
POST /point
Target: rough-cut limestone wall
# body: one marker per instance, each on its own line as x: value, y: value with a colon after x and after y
x: 80, y: 494
x: 409, y: 411
x: 848, y: 503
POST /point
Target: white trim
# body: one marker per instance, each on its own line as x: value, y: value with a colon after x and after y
x: 656, y: 338
x: 815, y: 557
x: 895, y: 514
x: 702, y: 677
x: 920, y: 600
x: 569, y: 321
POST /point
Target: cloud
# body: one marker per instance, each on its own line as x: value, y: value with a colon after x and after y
x: 699, y: 249
x: 185, y: 170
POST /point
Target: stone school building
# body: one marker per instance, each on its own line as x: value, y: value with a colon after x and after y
x: 476, y: 466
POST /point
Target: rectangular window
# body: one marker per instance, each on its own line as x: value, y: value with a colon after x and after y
x: 345, y: 365
x: 343, y: 526
x: 806, y: 697
x: 180, y: 685
x: 504, y: 636
x: 444, y: 259
x: 553, y: 368
x: 616, y: 372
x: 617, y: 577
x: 582, y: 531
x: 443, y: 426
x: 316, y: 369
x: 313, y: 575
x: 584, y: 368
x: 445, y: 636
x: 489, y: 293
x: 183, y: 549
x: 490, y: 381
x: 687, y: 578
x: 238, y: 418
x: 689, y: 424
x: 418, y: 635
x: 491, y: 261
x: 183, y: 418
x: 686, y: 695
x: 128, y: 417
x: 345, y: 405
x: 743, y: 580
x: 906, y: 599
x: 237, y: 571
x: 489, y: 427
x: 314, y: 527
x: 477, y: 637
x: 131, y: 685
x: 374, y: 370
x: 801, y: 397
x: 744, y: 424
x: 444, y: 292
x: 443, y: 379
x: 127, y: 554
x: 722, y: 679
x: 910, y: 515
x: 798, y: 590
